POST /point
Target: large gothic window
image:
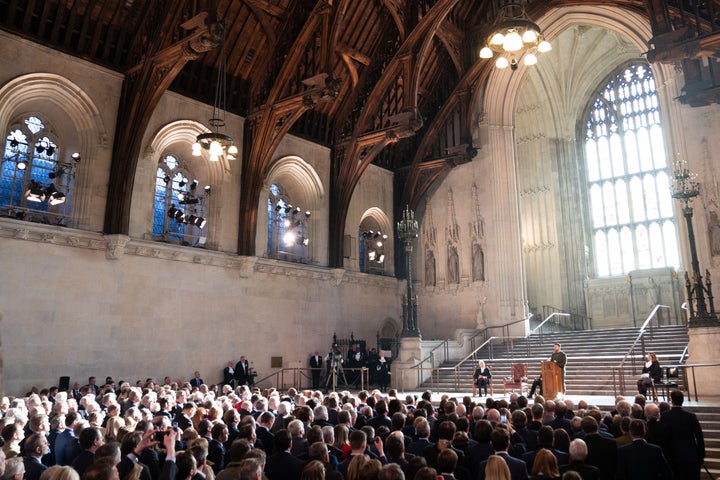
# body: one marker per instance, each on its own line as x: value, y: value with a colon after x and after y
x: 37, y: 176
x: 179, y: 213
x: 628, y: 177
x: 287, y: 228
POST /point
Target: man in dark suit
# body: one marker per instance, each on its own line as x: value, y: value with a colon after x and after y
x: 184, y: 418
x: 544, y: 440
x: 657, y: 433
x: 196, y: 381
x: 216, y: 449
x: 640, y: 459
x: 282, y: 465
x: 265, y: 423
x: 229, y: 375
x: 242, y: 371
x: 578, y: 455
x: 358, y: 444
x: 422, y: 432
x: 36, y: 446
x: 500, y: 439
x: 687, y: 444
x: 602, y: 452
x: 90, y: 440
x: 316, y: 363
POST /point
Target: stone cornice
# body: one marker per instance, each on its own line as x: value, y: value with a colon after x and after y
x: 118, y: 246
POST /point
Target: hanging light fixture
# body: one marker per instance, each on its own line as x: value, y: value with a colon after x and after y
x: 215, y: 142
x: 514, y: 37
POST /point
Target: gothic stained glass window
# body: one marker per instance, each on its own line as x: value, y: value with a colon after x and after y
x: 628, y: 177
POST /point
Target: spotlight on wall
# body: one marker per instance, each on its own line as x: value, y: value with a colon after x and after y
x: 208, y: 189
x: 76, y: 157
x: 56, y: 173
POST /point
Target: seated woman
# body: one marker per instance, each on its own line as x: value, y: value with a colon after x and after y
x: 651, y: 372
x: 482, y: 377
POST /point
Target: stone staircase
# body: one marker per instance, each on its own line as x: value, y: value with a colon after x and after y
x: 592, y: 354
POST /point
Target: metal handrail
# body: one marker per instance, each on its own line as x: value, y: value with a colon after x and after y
x: 640, y: 338
x: 554, y: 314
x: 298, y: 373
x: 431, y: 354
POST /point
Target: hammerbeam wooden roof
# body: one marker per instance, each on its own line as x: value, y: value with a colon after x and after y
x: 388, y: 82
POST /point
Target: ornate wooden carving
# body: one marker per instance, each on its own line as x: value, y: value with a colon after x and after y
x: 159, y: 61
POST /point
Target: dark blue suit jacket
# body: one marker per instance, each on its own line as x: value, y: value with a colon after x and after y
x: 639, y: 460
x: 33, y: 468
x: 283, y: 466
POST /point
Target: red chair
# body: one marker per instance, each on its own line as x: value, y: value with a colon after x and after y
x: 518, y: 378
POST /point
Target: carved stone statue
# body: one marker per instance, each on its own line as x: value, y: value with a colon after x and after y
x: 453, y: 266
x: 478, y: 263
x: 429, y: 268
x: 714, y: 229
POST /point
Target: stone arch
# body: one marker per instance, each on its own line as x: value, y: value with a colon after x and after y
x: 302, y: 183
x: 503, y: 86
x: 175, y: 137
x: 378, y: 217
x: 28, y: 93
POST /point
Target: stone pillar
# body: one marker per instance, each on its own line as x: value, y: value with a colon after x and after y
x: 703, y: 349
x: 506, y: 231
x: 409, y: 355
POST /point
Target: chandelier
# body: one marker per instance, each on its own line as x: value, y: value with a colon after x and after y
x: 515, y: 36
x: 216, y: 143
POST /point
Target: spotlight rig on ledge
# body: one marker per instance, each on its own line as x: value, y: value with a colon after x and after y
x: 31, y: 163
x: 295, y: 223
x: 188, y: 214
x: 375, y: 244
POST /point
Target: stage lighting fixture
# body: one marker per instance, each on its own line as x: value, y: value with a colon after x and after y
x: 76, y: 157
x: 56, y: 173
x: 200, y: 222
x: 22, y: 164
x: 193, y: 185
x: 208, y: 189
x: 35, y: 192
x: 183, y: 182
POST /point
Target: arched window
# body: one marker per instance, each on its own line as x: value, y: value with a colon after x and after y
x: 628, y: 177
x: 287, y: 228
x: 35, y: 184
x: 179, y: 213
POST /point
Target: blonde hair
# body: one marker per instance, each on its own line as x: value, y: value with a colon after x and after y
x: 57, y: 472
x: 356, y: 466
x: 114, y: 424
x: 496, y: 468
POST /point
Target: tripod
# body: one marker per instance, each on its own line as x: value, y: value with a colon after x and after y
x: 335, y: 373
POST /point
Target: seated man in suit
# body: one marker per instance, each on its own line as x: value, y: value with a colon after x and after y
x: 640, y: 459
x: 196, y: 381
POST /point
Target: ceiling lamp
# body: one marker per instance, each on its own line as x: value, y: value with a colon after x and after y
x: 514, y: 37
x: 216, y: 143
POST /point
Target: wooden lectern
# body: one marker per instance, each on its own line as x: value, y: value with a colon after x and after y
x: 552, y: 381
